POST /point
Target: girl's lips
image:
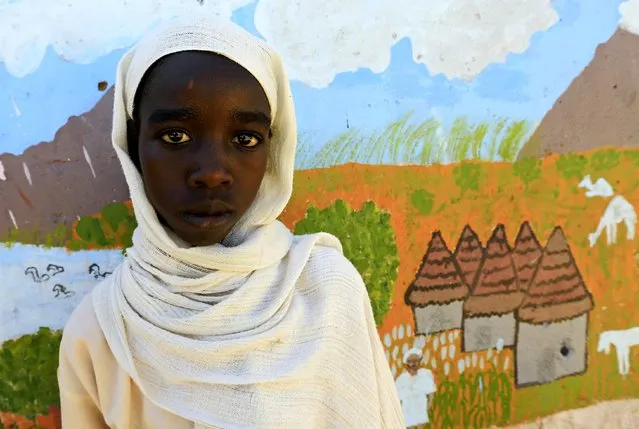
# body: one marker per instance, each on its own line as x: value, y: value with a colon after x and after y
x: 208, y: 220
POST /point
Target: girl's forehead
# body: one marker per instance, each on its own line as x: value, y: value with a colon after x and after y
x: 187, y: 66
x: 191, y: 75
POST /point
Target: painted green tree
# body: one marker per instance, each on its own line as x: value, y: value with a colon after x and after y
x: 423, y: 201
x: 572, y: 165
x: 369, y: 243
x: 632, y: 156
x: 467, y: 176
x: 605, y: 160
x: 528, y: 170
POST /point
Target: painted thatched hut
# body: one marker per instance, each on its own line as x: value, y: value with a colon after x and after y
x: 468, y: 254
x: 526, y: 254
x: 438, y: 291
x: 553, y: 318
x: 489, y: 310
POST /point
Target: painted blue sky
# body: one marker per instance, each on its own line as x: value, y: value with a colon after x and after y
x: 32, y: 108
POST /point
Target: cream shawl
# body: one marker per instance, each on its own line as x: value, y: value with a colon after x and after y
x: 266, y: 330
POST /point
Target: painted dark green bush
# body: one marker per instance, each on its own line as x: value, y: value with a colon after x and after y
x: 605, y: 160
x: 369, y: 243
x: 467, y: 176
x: 423, y: 201
x: 114, y: 228
x: 528, y: 170
x: 28, y: 373
x: 126, y: 238
x: 115, y: 214
x: 90, y: 230
x: 572, y: 166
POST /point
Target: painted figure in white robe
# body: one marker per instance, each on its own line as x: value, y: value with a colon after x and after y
x: 416, y: 387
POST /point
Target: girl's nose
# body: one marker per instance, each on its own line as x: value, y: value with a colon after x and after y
x: 211, y: 169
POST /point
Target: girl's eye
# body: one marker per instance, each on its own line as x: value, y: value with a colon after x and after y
x: 246, y: 140
x: 176, y: 137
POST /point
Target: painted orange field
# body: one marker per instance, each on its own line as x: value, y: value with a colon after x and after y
x: 48, y: 421
x: 610, y: 272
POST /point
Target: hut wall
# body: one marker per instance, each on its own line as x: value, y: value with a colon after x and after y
x: 482, y: 333
x: 547, y: 352
x: 436, y: 318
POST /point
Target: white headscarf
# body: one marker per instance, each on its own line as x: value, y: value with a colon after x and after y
x: 255, y: 332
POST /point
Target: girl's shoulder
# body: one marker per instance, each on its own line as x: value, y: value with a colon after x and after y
x: 327, y: 267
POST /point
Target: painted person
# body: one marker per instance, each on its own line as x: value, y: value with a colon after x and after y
x: 218, y: 316
x: 415, y: 386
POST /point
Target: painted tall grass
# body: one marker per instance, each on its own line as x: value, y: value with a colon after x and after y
x: 406, y: 141
x: 474, y: 390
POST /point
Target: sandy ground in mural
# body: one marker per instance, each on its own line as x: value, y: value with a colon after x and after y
x: 606, y: 415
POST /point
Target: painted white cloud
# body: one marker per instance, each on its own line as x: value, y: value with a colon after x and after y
x: 82, y: 31
x: 318, y: 38
x: 629, y: 11
x: 458, y: 38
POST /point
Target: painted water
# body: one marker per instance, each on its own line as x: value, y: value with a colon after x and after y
x: 41, y: 286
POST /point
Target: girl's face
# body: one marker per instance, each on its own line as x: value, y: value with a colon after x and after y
x: 202, y: 128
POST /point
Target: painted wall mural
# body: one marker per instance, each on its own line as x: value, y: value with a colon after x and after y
x: 477, y: 159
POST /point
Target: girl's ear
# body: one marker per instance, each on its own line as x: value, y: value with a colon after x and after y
x: 133, y: 142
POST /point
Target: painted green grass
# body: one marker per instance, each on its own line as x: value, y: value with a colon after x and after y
x: 57, y: 238
x: 28, y: 373
x: 479, y: 400
x: 406, y: 141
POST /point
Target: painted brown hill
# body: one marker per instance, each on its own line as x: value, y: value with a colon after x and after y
x: 599, y: 108
x: 62, y: 185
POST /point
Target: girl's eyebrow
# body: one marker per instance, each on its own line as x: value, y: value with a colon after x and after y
x: 247, y: 117
x: 159, y: 116
x: 166, y: 115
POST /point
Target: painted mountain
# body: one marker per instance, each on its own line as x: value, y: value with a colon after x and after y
x: 599, y: 108
x: 52, y: 183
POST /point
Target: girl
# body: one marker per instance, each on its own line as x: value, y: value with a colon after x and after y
x: 219, y: 317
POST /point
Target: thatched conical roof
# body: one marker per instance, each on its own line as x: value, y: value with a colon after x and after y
x: 557, y: 291
x: 526, y: 254
x: 496, y: 290
x: 438, y: 280
x: 468, y: 254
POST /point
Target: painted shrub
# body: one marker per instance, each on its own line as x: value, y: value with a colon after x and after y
x: 368, y: 241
